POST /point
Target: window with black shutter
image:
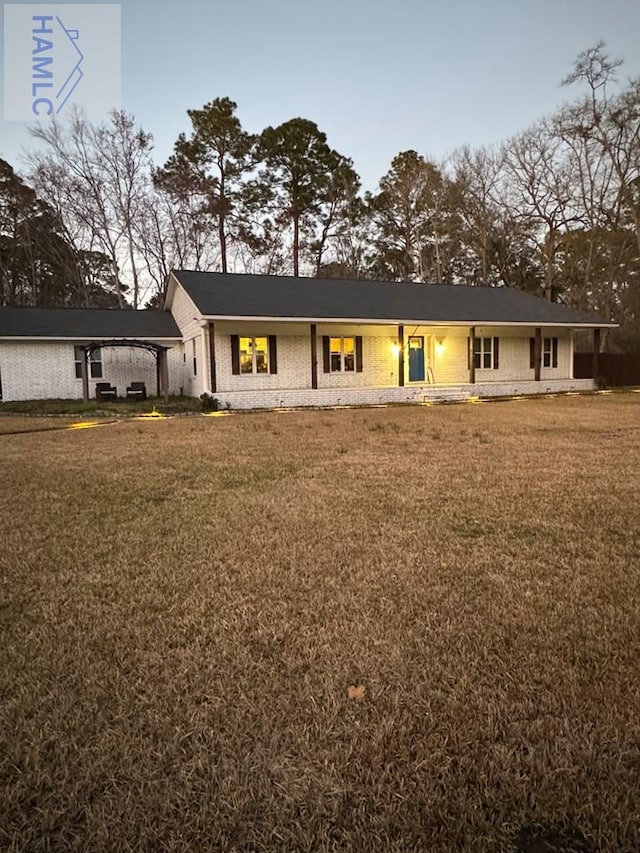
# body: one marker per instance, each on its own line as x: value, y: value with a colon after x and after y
x: 486, y: 353
x: 549, y: 352
x: 253, y: 355
x: 342, y: 355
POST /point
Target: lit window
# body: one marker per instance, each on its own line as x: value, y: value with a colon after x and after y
x: 485, y: 353
x: 95, y: 363
x: 343, y: 355
x: 254, y: 355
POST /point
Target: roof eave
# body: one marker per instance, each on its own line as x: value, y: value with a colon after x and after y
x: 385, y: 321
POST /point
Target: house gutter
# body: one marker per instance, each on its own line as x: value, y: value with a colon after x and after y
x: 406, y: 322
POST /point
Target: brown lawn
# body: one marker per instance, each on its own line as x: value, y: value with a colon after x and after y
x: 185, y: 605
x: 13, y: 424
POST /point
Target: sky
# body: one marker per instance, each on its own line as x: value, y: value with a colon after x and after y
x: 378, y: 77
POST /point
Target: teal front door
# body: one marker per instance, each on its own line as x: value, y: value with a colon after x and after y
x: 416, y: 359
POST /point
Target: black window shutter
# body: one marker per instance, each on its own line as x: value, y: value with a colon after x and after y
x: 235, y: 355
x: 469, y: 355
x: 554, y: 347
x: 496, y: 353
x: 532, y: 353
x: 359, y: 354
x: 273, y: 356
x: 326, y: 343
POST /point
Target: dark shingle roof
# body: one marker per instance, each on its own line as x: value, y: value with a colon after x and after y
x: 227, y: 295
x: 86, y: 323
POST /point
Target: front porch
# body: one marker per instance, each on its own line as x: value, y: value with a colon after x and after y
x: 321, y: 397
x: 279, y: 365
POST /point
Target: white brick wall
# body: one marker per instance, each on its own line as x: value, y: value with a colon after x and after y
x: 123, y: 365
x: 39, y: 371
x: 191, y: 328
x: 379, y: 364
x: 293, y: 343
x: 380, y: 396
x: 294, y: 366
x: 451, y: 366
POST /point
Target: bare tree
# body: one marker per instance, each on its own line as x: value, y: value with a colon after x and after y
x: 484, y: 218
x: 611, y: 122
x: 541, y: 193
x: 97, y: 178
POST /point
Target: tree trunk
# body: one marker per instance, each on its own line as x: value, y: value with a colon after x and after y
x: 134, y: 273
x: 223, y: 243
x: 221, y: 223
x: 296, y: 243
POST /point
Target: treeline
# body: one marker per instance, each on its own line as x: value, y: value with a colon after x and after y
x: 40, y: 263
x: 554, y: 210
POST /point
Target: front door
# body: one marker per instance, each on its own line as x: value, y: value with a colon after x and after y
x: 416, y: 359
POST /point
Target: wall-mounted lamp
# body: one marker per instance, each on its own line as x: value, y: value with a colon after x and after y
x: 439, y: 346
x: 395, y: 348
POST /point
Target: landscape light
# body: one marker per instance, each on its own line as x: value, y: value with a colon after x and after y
x: 151, y: 416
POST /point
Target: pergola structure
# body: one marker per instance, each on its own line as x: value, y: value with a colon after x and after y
x: 158, y: 350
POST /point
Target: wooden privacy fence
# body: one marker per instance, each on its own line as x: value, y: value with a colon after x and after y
x: 614, y: 369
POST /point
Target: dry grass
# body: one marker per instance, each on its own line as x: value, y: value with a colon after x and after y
x: 186, y: 603
x: 120, y: 407
x: 10, y: 425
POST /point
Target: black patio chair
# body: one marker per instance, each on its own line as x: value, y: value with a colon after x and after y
x: 106, y: 391
x: 137, y: 391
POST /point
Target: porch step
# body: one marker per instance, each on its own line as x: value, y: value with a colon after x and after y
x: 441, y: 394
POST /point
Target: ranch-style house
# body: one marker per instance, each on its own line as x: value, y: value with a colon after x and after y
x: 277, y: 341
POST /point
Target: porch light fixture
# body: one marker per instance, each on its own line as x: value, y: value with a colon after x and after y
x: 395, y: 348
x: 439, y: 346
